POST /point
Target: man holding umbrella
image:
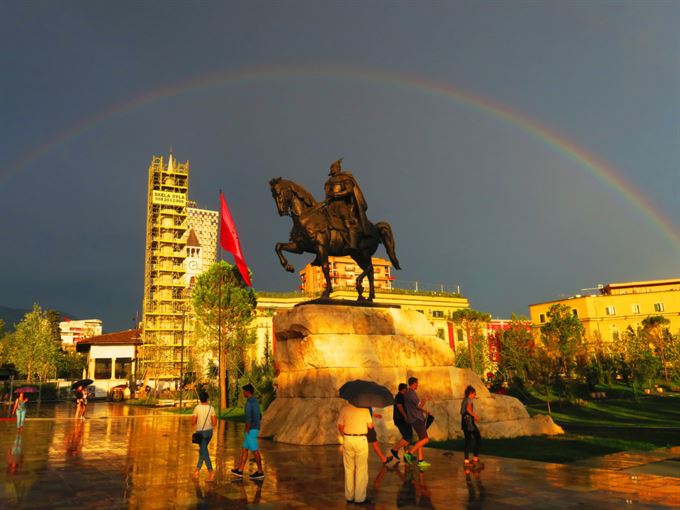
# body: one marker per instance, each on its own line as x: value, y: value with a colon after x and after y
x: 354, y: 423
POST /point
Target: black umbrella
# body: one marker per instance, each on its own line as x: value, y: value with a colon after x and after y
x: 366, y: 394
x: 83, y: 382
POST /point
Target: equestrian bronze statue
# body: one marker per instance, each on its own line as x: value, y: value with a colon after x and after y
x: 337, y: 226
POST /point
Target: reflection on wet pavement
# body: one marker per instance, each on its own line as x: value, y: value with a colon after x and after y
x: 137, y: 458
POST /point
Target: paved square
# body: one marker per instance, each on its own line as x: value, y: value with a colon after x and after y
x: 129, y: 457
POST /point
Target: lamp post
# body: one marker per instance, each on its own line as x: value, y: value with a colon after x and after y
x: 181, y: 360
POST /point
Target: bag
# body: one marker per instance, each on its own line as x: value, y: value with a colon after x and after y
x: 196, y: 437
x: 468, y: 423
x: 429, y: 421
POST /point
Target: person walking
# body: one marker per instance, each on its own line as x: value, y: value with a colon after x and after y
x: 20, y: 410
x: 399, y: 417
x: 372, y: 438
x: 204, y: 420
x: 416, y: 417
x: 79, y: 403
x: 83, y: 404
x: 469, y: 421
x: 253, y: 417
x: 354, y: 424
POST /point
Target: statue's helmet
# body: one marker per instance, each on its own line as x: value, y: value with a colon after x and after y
x: 336, y: 167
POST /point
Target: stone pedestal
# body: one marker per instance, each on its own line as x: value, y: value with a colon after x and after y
x: 319, y: 348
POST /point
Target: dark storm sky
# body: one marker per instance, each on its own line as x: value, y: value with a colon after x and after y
x: 246, y: 91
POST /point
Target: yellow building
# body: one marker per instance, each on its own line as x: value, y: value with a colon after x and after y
x: 608, y: 314
x: 436, y: 306
x: 181, y: 241
x: 343, y: 272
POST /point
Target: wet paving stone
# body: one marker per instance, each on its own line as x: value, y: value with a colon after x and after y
x: 124, y: 457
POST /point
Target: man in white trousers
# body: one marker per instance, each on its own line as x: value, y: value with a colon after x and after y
x: 353, y: 424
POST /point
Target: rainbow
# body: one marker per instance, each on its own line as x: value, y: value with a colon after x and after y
x: 593, y: 166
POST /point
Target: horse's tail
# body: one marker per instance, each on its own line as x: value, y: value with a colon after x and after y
x: 387, y: 239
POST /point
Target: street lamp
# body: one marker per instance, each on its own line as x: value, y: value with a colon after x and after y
x: 181, y: 361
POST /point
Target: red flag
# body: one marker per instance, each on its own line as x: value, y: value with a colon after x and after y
x: 229, y: 239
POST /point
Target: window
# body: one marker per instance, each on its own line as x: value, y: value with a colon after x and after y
x: 102, y: 368
x: 420, y: 311
x: 611, y: 310
x: 440, y: 333
x: 123, y: 368
x: 658, y: 307
x: 542, y: 317
x: 574, y: 312
x: 636, y: 308
x: 460, y: 335
x: 615, y: 335
x: 438, y: 313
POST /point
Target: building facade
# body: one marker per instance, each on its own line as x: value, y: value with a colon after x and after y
x: 181, y: 242
x: 607, y: 314
x: 73, y: 331
x: 111, y: 359
x: 344, y: 271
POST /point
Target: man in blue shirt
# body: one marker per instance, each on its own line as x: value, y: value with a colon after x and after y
x: 253, y: 417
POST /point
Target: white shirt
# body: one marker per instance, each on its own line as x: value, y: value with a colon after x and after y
x: 204, y: 414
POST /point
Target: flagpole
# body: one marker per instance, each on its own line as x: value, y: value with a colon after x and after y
x: 219, y: 317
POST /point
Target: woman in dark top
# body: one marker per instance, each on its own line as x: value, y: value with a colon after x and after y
x: 469, y: 425
x: 79, y: 403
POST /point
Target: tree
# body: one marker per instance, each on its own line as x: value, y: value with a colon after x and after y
x: 655, y: 329
x: 54, y: 318
x: 474, y: 322
x: 70, y: 365
x: 516, y: 348
x: 543, y: 368
x: 223, y: 303
x: 642, y: 366
x: 31, y: 347
x: 562, y: 336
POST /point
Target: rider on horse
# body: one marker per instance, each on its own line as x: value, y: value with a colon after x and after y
x: 345, y: 205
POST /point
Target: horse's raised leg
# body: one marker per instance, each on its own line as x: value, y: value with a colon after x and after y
x: 322, y: 256
x: 291, y: 247
x: 366, y: 265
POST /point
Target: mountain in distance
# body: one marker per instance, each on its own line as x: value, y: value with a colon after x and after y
x: 12, y: 316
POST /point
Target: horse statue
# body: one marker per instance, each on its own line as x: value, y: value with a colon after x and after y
x: 314, y: 231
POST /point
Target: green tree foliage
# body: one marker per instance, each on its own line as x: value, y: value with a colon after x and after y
x: 544, y: 369
x: 655, y: 330
x: 262, y: 378
x: 54, y: 318
x: 641, y: 363
x: 516, y: 349
x: 222, y: 301
x: 474, y: 323
x: 2, y: 343
x: 31, y: 348
x: 70, y: 365
x: 562, y: 336
x: 673, y: 358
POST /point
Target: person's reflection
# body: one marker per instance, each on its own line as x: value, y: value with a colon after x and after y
x: 256, y: 497
x: 15, y: 455
x: 74, y: 442
x: 414, y: 491
x: 476, y: 490
x: 423, y: 494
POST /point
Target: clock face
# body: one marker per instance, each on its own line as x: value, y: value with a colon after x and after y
x: 193, y: 265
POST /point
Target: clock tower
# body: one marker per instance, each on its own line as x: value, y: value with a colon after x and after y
x: 193, y: 263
